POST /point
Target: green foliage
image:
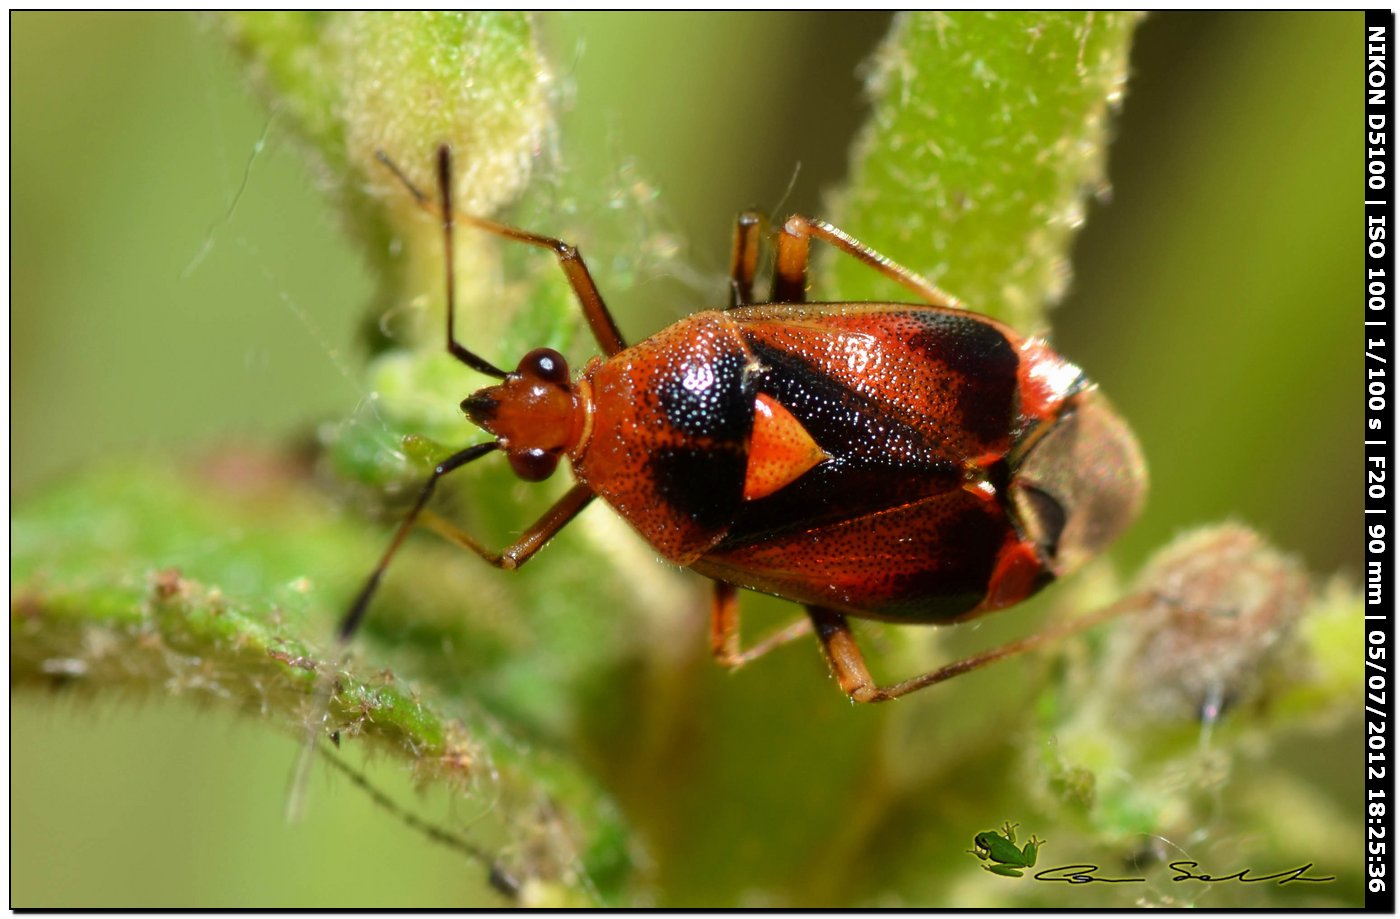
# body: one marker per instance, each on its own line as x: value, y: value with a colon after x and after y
x: 155, y: 582
x: 988, y: 132
x: 355, y: 86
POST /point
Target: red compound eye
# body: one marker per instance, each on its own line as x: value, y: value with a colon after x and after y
x: 545, y: 364
x: 534, y: 464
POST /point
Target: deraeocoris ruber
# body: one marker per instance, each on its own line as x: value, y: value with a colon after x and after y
x: 915, y: 463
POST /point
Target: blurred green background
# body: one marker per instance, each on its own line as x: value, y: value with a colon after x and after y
x: 174, y: 290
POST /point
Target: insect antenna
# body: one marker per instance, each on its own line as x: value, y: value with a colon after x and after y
x: 352, y: 618
x: 444, y: 172
x: 455, y: 461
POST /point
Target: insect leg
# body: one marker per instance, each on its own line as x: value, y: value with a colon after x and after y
x: 743, y: 263
x: 843, y: 654
x: 595, y: 311
x: 802, y: 228
x: 793, y: 251
x: 848, y: 664
x: 724, y: 630
x: 534, y: 538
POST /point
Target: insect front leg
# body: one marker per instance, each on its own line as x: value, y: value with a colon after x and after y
x: 535, y: 536
x: 790, y: 271
x: 595, y: 311
x: 510, y: 558
x: 724, y: 630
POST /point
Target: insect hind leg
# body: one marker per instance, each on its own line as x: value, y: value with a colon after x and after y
x: 848, y: 664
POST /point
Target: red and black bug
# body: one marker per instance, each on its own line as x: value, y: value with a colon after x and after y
x: 915, y: 463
